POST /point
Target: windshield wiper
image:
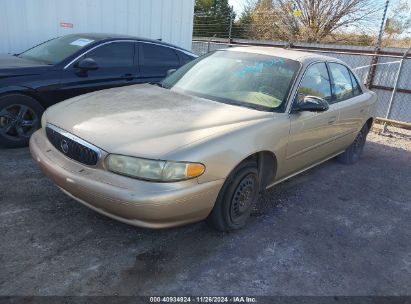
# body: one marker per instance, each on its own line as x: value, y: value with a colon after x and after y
x: 159, y: 84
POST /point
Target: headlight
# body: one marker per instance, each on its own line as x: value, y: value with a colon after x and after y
x: 156, y: 170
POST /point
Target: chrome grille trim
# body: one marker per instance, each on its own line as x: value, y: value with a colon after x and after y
x: 75, y: 139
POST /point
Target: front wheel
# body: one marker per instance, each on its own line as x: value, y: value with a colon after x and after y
x: 353, y: 153
x: 236, y: 199
x: 20, y: 117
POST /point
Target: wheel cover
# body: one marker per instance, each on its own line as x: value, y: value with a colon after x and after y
x: 243, y: 198
x: 17, y: 122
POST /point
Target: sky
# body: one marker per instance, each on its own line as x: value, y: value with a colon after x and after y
x: 238, y: 5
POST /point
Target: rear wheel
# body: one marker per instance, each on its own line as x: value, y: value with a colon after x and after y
x: 236, y: 198
x: 353, y: 153
x: 20, y: 117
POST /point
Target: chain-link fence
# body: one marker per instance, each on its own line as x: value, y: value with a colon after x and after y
x: 387, y: 73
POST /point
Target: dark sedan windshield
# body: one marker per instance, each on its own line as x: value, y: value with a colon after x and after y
x: 246, y: 79
x: 56, y: 50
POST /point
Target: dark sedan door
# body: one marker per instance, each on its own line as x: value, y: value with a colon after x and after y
x: 155, y: 60
x: 116, y: 67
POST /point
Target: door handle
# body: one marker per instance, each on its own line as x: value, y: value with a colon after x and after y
x: 128, y: 76
x: 332, y: 120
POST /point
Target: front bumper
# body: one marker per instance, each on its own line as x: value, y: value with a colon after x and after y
x: 135, y: 202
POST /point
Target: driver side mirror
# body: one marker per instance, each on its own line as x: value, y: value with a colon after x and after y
x: 311, y: 104
x: 86, y: 64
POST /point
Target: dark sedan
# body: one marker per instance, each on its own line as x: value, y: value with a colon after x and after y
x: 73, y: 65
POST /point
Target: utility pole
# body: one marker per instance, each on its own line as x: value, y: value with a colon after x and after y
x: 374, y: 60
x: 378, y: 46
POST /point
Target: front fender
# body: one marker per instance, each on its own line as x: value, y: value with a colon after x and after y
x: 223, y: 152
x: 21, y: 90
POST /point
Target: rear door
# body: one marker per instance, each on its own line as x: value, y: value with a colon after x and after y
x: 312, y: 133
x: 351, y: 101
x: 155, y: 60
x: 116, y: 67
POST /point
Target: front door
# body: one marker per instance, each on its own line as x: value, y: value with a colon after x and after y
x: 311, y: 133
x: 116, y: 67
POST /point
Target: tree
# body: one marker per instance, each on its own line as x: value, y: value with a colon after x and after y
x: 263, y: 21
x: 273, y: 19
x: 242, y: 26
x: 398, y: 22
x: 212, y: 17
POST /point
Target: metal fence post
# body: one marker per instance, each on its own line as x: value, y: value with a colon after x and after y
x: 231, y: 26
x: 209, y: 43
x: 394, y: 91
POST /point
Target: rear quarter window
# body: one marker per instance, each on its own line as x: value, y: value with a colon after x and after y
x: 185, y: 58
x: 356, y: 86
x: 157, y: 55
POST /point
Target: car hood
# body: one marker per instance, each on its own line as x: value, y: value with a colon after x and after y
x: 146, y: 120
x: 11, y: 66
x: 9, y: 61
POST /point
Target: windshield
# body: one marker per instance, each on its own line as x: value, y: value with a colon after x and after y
x: 246, y: 79
x: 56, y: 50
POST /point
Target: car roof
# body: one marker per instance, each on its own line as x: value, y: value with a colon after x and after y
x: 107, y: 37
x: 303, y: 57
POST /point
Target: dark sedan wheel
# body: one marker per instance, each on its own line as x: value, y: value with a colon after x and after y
x: 20, y: 117
x: 236, y: 199
x: 353, y: 153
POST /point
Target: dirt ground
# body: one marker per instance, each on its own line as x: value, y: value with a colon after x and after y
x: 334, y: 230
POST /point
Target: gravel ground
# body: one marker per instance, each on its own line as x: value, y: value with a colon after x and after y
x: 334, y: 230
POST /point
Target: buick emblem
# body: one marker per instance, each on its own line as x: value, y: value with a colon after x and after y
x: 64, y: 146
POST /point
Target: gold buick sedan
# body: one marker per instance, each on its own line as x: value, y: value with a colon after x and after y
x: 207, y: 140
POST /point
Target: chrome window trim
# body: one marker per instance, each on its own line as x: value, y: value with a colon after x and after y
x: 125, y: 40
x: 93, y: 48
x: 76, y: 139
x: 170, y: 47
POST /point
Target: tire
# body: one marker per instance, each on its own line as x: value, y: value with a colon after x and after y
x: 353, y: 153
x: 236, y: 199
x: 20, y: 117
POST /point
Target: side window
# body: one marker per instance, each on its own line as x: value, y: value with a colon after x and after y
x: 316, y: 82
x: 116, y: 54
x: 153, y: 55
x: 343, y: 88
x: 356, y: 86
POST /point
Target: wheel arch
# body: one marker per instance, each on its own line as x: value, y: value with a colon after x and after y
x: 25, y: 92
x: 266, y: 162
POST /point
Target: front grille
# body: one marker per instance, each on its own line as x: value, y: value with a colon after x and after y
x: 71, y: 147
